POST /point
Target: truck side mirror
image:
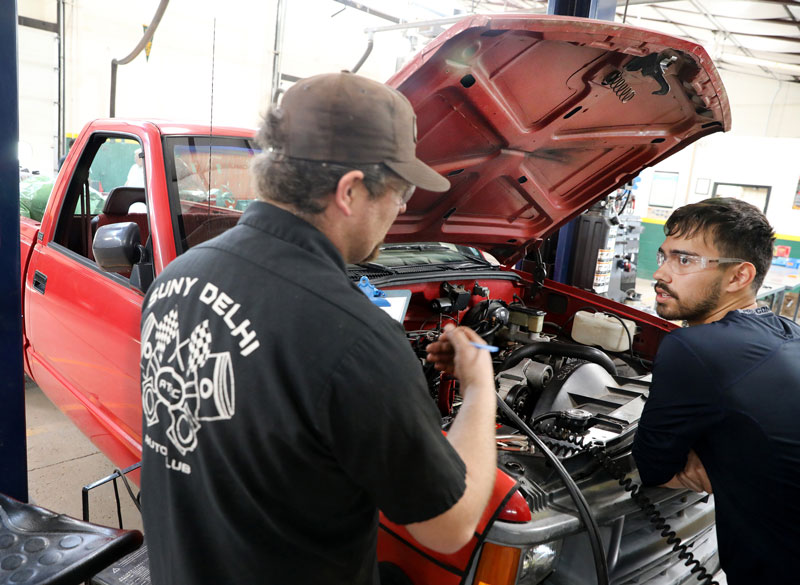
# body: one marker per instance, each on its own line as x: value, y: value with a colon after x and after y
x: 117, y: 246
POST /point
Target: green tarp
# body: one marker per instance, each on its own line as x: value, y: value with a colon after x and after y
x: 34, y: 191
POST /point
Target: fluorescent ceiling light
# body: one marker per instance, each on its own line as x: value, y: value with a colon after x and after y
x: 776, y: 65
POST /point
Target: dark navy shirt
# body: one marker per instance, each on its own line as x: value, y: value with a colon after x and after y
x: 730, y: 390
x: 281, y: 410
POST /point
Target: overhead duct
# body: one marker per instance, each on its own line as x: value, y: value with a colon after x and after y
x: 148, y: 35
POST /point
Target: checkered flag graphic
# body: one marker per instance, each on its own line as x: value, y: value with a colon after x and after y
x: 199, y: 346
x: 166, y: 330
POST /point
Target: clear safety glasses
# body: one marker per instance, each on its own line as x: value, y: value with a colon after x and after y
x: 686, y: 263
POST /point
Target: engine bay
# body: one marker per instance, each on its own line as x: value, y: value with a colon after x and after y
x: 572, y: 374
x: 554, y: 384
x: 571, y: 367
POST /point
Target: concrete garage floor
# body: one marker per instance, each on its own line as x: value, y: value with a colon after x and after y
x: 61, y: 461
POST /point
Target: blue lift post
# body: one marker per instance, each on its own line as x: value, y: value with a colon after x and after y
x: 13, y: 456
x: 598, y: 10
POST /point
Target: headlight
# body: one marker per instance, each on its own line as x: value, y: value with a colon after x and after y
x: 538, y: 562
x: 508, y: 565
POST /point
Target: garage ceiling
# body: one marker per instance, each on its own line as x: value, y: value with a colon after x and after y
x: 756, y: 37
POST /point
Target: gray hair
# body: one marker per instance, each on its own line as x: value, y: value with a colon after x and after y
x: 305, y: 184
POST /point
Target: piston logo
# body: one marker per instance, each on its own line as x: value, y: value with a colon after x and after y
x: 184, y: 380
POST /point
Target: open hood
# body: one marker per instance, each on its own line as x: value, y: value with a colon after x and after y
x: 534, y: 118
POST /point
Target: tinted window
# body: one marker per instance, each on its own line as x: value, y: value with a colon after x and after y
x: 209, y: 184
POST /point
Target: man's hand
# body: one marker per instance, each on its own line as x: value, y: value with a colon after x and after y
x: 453, y: 354
x: 693, y: 476
x: 471, y: 435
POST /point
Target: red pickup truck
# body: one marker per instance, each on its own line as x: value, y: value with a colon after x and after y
x: 81, y: 323
x: 533, y: 120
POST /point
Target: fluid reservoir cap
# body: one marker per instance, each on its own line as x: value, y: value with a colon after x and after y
x: 501, y: 314
x: 577, y: 414
x: 574, y: 419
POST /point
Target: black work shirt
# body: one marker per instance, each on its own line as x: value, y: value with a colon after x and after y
x: 730, y: 390
x: 281, y: 410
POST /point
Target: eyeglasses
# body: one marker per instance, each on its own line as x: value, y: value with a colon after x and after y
x: 403, y: 193
x: 687, y: 263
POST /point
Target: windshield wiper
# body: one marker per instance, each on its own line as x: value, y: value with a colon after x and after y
x: 462, y: 265
x: 376, y: 266
x: 417, y: 247
x: 474, y: 259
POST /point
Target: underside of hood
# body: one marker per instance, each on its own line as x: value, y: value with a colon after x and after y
x: 534, y: 118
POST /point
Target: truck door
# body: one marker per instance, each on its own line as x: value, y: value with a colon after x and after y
x: 83, y: 323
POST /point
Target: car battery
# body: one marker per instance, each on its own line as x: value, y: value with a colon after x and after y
x: 129, y: 570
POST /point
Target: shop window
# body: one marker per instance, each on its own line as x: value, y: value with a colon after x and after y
x: 757, y: 195
x: 663, y: 189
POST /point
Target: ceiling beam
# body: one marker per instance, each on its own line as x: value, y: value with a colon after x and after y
x: 754, y: 72
x: 635, y: 2
x: 665, y: 12
x: 784, y: 68
x: 727, y: 33
x: 677, y: 25
x: 676, y: 10
x: 367, y: 9
x: 791, y: 16
x: 684, y: 26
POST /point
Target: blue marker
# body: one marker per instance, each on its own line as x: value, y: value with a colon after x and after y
x: 489, y: 348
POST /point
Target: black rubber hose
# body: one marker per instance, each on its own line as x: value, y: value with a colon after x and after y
x: 583, y: 352
x: 585, y: 513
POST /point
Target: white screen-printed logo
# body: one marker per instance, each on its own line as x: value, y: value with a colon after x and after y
x: 184, y: 379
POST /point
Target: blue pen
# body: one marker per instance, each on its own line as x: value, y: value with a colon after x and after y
x: 490, y: 348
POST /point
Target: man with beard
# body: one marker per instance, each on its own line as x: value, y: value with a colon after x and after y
x: 325, y: 414
x: 724, y: 405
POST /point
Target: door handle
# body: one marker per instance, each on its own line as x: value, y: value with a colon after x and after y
x: 39, y: 281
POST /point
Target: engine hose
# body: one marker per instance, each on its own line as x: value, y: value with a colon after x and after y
x: 560, y: 349
x: 585, y: 513
x: 491, y: 331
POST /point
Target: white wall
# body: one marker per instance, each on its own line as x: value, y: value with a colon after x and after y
x: 175, y: 82
x: 762, y: 148
x: 747, y: 160
x: 320, y: 36
x: 762, y: 106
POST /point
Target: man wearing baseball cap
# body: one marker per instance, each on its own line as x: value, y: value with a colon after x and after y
x: 328, y: 417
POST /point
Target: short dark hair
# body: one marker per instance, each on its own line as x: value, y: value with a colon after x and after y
x: 738, y: 229
x: 304, y: 184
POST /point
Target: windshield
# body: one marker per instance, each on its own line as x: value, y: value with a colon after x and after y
x: 419, y: 257
x: 417, y: 253
x: 209, y: 184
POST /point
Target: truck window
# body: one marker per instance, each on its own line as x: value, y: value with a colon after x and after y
x: 209, y: 185
x: 107, y: 187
